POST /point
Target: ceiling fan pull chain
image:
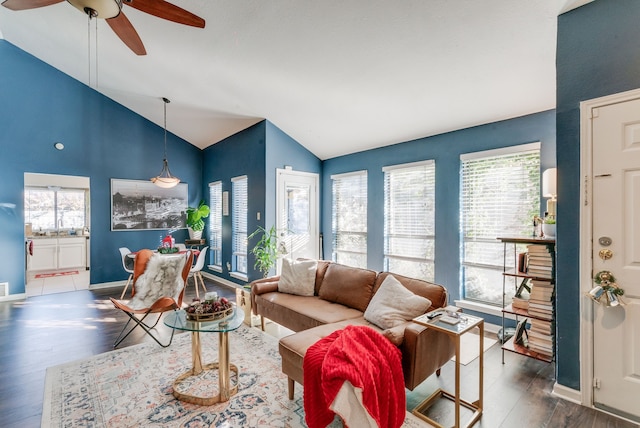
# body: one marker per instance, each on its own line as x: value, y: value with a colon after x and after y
x: 96, y: 50
x: 89, y: 47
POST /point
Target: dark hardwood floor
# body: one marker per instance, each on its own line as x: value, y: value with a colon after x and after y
x: 48, y: 330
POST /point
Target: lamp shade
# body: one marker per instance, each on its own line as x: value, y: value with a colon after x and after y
x: 549, y: 183
x: 98, y: 8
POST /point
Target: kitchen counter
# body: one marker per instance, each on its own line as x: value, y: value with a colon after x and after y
x: 57, y: 236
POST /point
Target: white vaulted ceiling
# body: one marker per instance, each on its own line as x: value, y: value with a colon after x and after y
x: 337, y: 76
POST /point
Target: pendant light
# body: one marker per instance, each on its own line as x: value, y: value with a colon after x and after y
x: 165, y: 179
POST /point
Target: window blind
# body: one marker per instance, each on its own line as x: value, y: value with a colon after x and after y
x: 409, y: 219
x: 349, y: 218
x: 215, y: 224
x: 499, y: 196
x: 239, y: 187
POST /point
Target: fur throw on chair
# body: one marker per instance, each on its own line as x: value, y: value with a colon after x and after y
x: 162, y: 277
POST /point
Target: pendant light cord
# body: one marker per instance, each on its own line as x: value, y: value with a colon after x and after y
x: 166, y: 101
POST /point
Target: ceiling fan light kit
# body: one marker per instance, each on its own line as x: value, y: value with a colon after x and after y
x: 165, y: 179
x: 111, y: 11
x: 104, y: 9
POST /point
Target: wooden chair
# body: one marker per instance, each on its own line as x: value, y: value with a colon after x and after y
x: 158, y: 286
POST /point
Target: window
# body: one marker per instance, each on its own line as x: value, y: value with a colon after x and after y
x: 349, y: 219
x: 499, y: 195
x: 54, y: 208
x: 239, y: 186
x: 215, y: 226
x: 409, y: 219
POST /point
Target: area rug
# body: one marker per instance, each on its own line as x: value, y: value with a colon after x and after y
x: 52, y: 274
x: 132, y: 387
x: 469, y: 347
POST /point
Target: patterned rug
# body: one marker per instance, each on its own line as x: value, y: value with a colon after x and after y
x: 132, y: 387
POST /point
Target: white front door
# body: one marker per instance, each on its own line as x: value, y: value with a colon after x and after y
x: 616, y: 231
x: 297, y: 214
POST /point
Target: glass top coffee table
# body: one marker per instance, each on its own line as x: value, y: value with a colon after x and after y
x: 178, y: 321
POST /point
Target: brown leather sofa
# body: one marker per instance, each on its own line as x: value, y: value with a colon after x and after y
x: 341, y: 296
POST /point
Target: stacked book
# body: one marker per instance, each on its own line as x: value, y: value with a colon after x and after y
x: 539, y: 262
x: 541, y: 333
x: 541, y: 336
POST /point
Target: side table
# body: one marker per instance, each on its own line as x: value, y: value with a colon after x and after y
x: 455, y: 331
x: 178, y: 321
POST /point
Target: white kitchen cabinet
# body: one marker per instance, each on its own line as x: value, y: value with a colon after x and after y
x: 72, y: 252
x: 45, y: 254
x: 58, y: 253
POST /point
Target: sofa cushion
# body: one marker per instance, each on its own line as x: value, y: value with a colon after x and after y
x: 298, y: 277
x: 393, y: 304
x: 434, y: 292
x: 348, y: 285
x: 300, y: 312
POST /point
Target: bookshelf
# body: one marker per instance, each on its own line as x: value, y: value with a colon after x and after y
x: 537, y: 275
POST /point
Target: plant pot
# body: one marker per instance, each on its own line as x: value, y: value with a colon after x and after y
x: 549, y: 230
x: 194, y: 234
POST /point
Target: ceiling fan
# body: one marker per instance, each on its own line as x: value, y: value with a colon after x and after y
x: 111, y: 11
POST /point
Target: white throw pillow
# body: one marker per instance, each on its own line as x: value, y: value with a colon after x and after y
x: 393, y: 304
x: 298, y: 277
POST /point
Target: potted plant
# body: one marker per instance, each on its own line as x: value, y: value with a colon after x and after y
x: 549, y: 227
x: 266, y: 249
x: 195, y: 222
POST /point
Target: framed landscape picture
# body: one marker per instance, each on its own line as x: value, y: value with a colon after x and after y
x: 141, y: 205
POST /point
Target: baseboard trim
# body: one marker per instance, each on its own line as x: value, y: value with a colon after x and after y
x: 222, y: 281
x: 12, y: 297
x: 566, y: 393
x: 107, y: 285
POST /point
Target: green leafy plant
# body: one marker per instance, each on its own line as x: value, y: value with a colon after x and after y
x: 266, y: 249
x: 550, y: 220
x: 195, y: 216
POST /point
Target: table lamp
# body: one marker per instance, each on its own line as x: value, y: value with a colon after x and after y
x: 549, y: 190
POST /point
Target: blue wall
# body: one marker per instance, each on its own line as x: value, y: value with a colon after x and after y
x: 445, y: 149
x: 255, y: 152
x: 39, y: 105
x: 282, y: 150
x: 597, y: 55
x: 239, y: 154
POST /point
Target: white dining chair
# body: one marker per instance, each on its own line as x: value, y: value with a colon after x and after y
x: 196, y: 271
x: 124, y: 251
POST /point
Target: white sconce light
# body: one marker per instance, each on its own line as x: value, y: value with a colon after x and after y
x: 550, y: 190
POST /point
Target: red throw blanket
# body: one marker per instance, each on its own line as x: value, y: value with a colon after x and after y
x: 366, y: 359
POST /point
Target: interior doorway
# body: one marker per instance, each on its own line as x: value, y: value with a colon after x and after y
x: 297, y: 215
x: 57, y: 224
x: 611, y: 246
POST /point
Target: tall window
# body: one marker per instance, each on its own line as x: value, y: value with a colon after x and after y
x: 55, y: 208
x: 239, y: 186
x: 409, y: 219
x: 499, y: 196
x: 215, y: 226
x: 349, y: 218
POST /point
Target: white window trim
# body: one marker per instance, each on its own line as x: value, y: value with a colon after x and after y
x: 348, y: 174
x: 236, y: 274
x: 407, y: 165
x: 217, y: 268
x: 504, y: 151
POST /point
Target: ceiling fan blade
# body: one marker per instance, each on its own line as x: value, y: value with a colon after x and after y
x: 123, y: 28
x: 166, y: 10
x: 28, y: 4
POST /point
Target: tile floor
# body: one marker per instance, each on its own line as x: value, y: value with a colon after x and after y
x: 56, y: 284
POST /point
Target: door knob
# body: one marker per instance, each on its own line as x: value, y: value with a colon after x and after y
x: 605, y: 254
